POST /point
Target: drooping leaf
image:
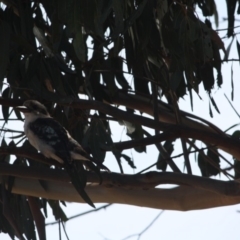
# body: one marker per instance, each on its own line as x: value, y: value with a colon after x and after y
x: 57, y: 210
x: 5, y: 31
x: 236, y: 169
x: 129, y: 48
x: 129, y: 160
x: 216, y: 17
x: 161, y: 162
x: 190, y: 96
x: 31, y: 66
x: 108, y: 77
x: 175, y: 80
x: 238, y: 48
x: 207, y: 41
x: 207, y: 76
x: 103, y: 10
x: 54, y: 74
x: 119, y: 23
x: 208, y: 8
x: 217, y: 64
x: 43, y: 203
x: 236, y: 135
x: 96, y: 136
x: 27, y: 219
x: 140, y: 82
x: 5, y: 109
x: 232, y: 84
x: 136, y: 13
x: 216, y: 160
x: 214, y: 104
x: 4, y: 158
x: 5, y: 227
x: 231, y: 6
x: 210, y: 110
x: 209, y: 168
x: 118, y: 68
x: 216, y: 40
x: 79, y: 45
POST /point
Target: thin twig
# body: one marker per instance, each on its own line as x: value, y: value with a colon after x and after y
x: 64, y: 230
x: 231, y: 105
x: 59, y: 229
x: 145, y: 229
x: 176, y: 156
x: 81, y: 214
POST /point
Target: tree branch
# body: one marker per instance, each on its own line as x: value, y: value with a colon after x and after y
x: 222, y: 141
x: 138, y: 189
x: 166, y: 112
x: 145, y: 229
x: 128, y: 181
x: 180, y: 198
x: 22, y: 152
x: 196, y: 131
x: 83, y: 213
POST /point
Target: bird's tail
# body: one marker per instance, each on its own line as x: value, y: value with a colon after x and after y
x: 78, y: 179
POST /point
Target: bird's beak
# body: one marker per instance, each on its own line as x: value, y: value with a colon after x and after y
x: 22, y: 109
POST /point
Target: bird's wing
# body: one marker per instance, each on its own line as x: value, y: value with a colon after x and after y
x: 75, y: 147
x: 54, y: 134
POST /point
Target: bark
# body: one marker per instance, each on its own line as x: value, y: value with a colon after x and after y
x: 179, y: 198
x: 165, y: 112
x: 140, y: 190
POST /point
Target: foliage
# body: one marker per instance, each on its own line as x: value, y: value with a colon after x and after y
x: 58, y: 51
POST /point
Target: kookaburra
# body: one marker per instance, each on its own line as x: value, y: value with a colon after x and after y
x: 50, y: 138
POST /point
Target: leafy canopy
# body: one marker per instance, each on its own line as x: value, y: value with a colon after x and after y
x: 128, y: 53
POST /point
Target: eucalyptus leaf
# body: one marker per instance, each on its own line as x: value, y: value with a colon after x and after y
x: 5, y: 30
x: 5, y: 109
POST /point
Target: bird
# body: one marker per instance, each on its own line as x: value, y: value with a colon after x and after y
x: 50, y: 138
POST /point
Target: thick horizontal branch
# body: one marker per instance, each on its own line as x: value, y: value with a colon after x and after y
x: 180, y: 198
x: 129, y: 181
x: 10, y: 102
